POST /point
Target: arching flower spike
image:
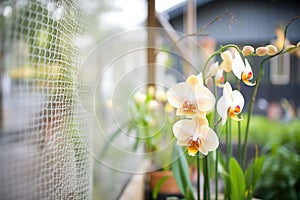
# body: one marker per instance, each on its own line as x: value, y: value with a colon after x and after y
x: 242, y: 71
x: 191, y: 97
x: 230, y: 104
x: 196, y: 135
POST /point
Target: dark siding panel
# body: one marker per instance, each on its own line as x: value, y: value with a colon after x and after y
x: 257, y: 20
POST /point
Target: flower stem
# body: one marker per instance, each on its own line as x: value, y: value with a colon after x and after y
x: 228, y: 143
x: 213, y: 55
x: 216, y: 175
x: 239, y: 142
x: 215, y: 125
x: 206, y: 191
x: 239, y: 131
x: 258, y: 80
x: 198, y: 176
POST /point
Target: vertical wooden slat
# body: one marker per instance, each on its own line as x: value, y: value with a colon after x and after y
x: 191, y: 17
x: 151, y: 22
x: 190, y: 28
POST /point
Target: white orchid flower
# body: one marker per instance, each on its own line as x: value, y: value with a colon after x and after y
x: 217, y: 71
x: 191, y: 97
x: 231, y: 103
x: 196, y: 135
x: 242, y: 71
x: 227, y: 58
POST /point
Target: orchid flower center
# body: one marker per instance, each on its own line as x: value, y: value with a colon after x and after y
x: 247, y: 76
x: 189, y: 107
x: 220, y: 80
x: 234, y: 110
x: 193, y: 145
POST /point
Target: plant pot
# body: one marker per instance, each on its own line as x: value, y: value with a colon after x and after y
x: 168, y: 189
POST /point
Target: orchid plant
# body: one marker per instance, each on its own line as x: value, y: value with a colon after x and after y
x: 203, y: 114
x: 151, y: 116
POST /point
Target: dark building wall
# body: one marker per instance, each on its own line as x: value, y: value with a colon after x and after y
x: 256, y: 19
x: 256, y: 25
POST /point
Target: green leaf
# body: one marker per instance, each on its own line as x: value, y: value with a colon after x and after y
x: 181, y: 173
x: 225, y: 176
x: 237, y: 180
x: 258, y: 166
x: 158, y: 185
x: 252, y: 175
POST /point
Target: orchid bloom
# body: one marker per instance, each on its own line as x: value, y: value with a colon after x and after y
x: 242, y: 71
x: 231, y: 103
x: 227, y: 61
x: 196, y: 135
x: 219, y: 78
x: 191, y: 97
x: 217, y: 71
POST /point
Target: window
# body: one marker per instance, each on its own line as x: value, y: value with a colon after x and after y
x: 280, y: 70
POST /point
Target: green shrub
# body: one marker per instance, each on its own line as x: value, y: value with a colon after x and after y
x: 280, y: 143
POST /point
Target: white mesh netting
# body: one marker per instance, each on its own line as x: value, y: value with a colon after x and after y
x: 44, y: 121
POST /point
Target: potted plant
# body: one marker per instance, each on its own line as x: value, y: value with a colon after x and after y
x: 204, y: 112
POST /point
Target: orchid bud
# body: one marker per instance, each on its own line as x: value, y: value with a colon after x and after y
x: 291, y: 48
x: 262, y: 51
x: 247, y: 50
x: 272, y: 50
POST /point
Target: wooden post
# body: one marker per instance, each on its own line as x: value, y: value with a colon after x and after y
x: 190, y: 28
x: 151, y: 22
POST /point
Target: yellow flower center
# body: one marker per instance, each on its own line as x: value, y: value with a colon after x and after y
x: 221, y: 80
x: 247, y: 76
x: 193, y: 146
x: 233, y: 111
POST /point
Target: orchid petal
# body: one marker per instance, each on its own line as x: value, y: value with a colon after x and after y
x: 236, y: 118
x: 205, y: 98
x: 182, y: 142
x: 192, y: 81
x: 184, y: 129
x: 231, y: 101
x: 227, y: 61
x: 238, y: 99
x: 210, y: 141
x: 200, y: 121
x: 248, y: 70
x: 178, y: 93
x: 219, y: 79
x: 248, y: 67
x: 213, y: 69
x: 200, y: 78
x: 221, y: 109
x: 249, y: 83
x: 225, y: 102
x: 238, y: 66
